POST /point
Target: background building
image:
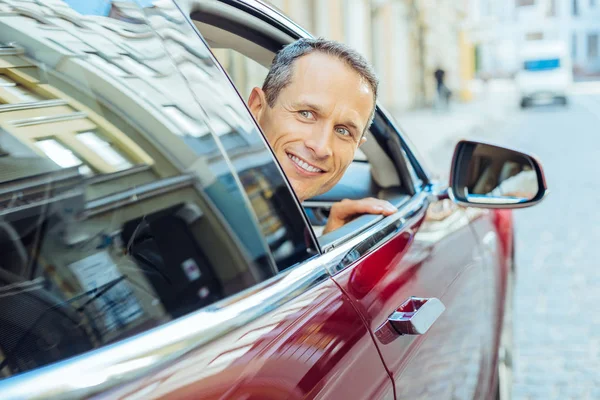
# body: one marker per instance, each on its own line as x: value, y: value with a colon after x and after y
x: 500, y: 28
x: 405, y: 40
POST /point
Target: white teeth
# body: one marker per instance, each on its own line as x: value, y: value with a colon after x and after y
x: 303, y: 164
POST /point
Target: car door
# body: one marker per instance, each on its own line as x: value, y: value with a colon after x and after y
x: 426, y: 250
x: 162, y: 253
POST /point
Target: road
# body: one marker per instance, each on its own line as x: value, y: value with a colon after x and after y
x: 557, y: 296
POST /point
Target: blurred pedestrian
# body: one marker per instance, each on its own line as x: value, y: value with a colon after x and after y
x: 443, y: 93
x: 485, y: 80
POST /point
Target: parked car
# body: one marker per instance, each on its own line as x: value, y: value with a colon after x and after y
x: 151, y: 247
x: 546, y: 73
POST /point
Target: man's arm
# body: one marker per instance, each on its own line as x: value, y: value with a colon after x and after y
x: 346, y: 210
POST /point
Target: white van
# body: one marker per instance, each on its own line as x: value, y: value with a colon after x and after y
x: 545, y: 73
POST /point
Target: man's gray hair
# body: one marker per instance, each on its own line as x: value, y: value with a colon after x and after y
x: 280, y: 73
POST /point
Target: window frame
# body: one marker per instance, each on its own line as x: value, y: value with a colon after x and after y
x: 133, y: 358
x: 288, y: 27
x: 47, y: 384
x: 407, y: 164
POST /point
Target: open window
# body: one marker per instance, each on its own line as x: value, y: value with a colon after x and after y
x: 245, y: 46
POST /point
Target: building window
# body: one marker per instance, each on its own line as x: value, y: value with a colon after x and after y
x: 552, y: 8
x: 106, y: 66
x: 525, y: 3
x: 575, y: 7
x: 22, y: 93
x: 189, y: 126
x: 4, y: 81
x: 574, y: 45
x: 136, y: 67
x: 592, y: 46
x: 105, y: 150
x: 62, y: 156
x: 592, y: 3
x: 534, y: 36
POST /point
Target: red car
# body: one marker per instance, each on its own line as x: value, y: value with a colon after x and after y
x: 151, y: 247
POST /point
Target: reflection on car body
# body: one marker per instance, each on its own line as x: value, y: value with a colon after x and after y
x: 134, y: 174
x: 150, y: 245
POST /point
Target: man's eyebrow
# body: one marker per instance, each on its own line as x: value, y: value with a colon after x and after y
x: 352, y: 125
x: 307, y: 105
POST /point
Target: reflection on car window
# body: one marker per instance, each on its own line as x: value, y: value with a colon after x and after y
x: 245, y: 72
x: 134, y: 188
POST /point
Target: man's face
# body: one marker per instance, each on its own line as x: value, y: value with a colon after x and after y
x: 317, y: 122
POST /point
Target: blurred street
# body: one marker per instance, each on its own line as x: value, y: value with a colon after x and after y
x: 557, y: 318
x: 434, y: 133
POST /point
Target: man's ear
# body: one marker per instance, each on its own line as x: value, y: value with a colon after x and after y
x: 257, y: 103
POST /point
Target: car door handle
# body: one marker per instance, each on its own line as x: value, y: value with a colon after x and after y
x: 414, y: 317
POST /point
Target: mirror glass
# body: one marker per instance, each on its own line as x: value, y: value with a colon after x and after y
x: 488, y: 174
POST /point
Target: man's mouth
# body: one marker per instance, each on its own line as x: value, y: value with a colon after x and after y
x: 303, y: 165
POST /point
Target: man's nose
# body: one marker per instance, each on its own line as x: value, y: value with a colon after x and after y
x: 319, y: 142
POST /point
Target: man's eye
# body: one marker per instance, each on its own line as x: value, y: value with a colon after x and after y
x: 307, y: 114
x: 343, y: 131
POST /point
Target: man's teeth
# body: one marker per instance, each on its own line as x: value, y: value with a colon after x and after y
x: 303, y: 165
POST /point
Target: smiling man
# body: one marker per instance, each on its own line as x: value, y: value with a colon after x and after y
x: 315, y: 106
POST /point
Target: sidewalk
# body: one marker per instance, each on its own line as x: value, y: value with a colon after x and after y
x: 435, y: 133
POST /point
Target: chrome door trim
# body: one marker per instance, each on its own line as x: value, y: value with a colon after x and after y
x: 107, y: 367
x: 377, y: 234
x: 131, y: 359
x: 317, y: 204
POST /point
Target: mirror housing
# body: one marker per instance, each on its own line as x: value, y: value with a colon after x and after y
x: 489, y: 176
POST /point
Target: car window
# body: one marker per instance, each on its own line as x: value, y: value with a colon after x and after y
x: 134, y: 187
x: 246, y: 50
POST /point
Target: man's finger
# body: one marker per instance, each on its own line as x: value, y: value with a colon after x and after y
x: 347, y: 208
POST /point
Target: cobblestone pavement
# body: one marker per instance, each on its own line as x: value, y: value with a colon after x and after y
x: 557, y: 296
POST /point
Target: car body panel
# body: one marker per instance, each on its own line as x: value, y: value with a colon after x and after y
x: 317, y: 338
x: 436, y: 256
x: 314, y: 346
x: 495, y: 232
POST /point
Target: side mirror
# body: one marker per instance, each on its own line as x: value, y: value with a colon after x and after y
x: 489, y: 176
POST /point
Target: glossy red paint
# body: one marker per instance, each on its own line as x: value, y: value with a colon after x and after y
x: 315, y: 346
x: 438, y: 256
x: 503, y: 221
x: 495, y: 229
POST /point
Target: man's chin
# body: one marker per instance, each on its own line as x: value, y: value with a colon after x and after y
x: 303, y: 191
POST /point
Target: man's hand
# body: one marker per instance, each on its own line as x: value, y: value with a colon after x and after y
x: 346, y: 210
